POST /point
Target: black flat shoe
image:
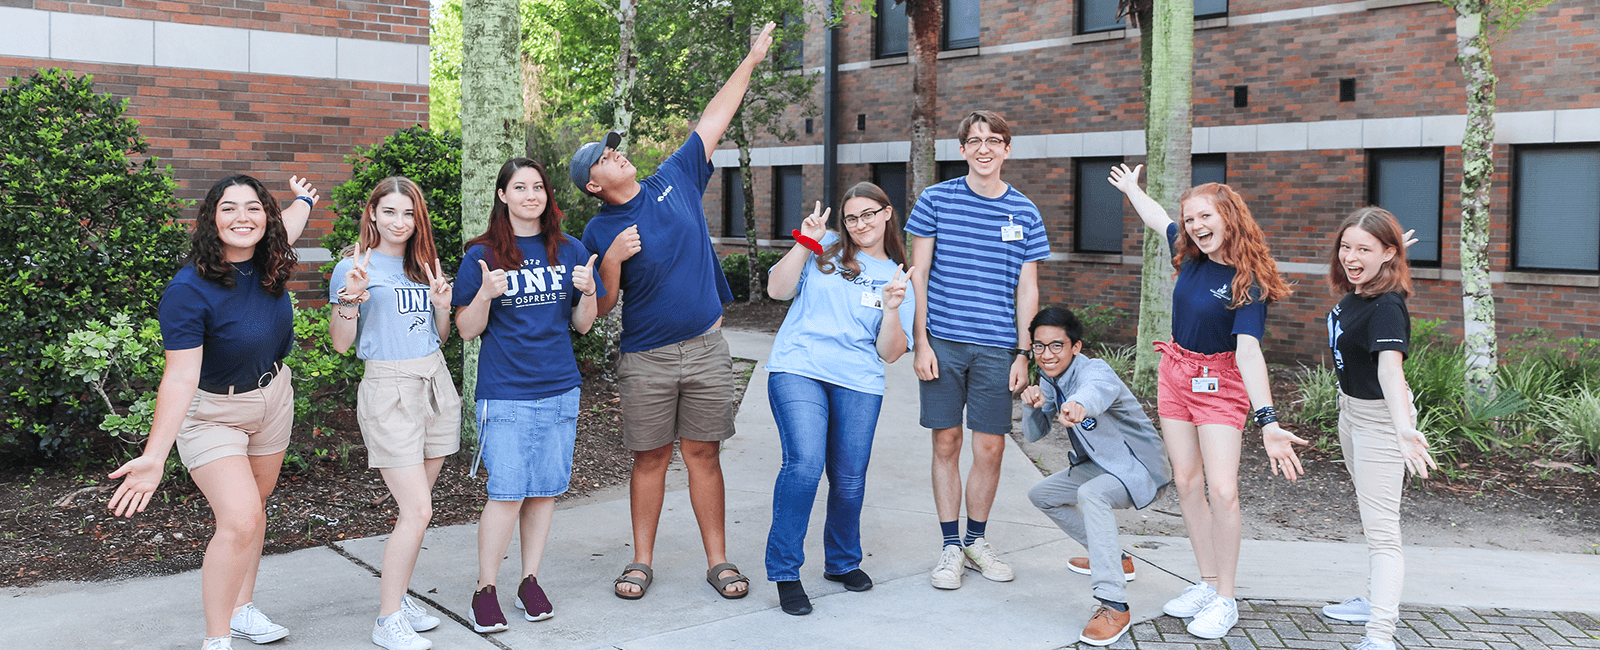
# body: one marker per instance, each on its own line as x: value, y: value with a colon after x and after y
x: 793, y: 599
x: 855, y: 580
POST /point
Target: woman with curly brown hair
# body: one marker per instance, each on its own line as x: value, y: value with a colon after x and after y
x: 225, y: 398
x: 1212, y: 378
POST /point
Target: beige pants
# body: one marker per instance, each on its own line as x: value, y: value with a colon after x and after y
x: 1372, y: 454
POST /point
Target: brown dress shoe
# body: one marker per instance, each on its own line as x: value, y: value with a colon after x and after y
x: 1105, y: 626
x: 1081, y: 565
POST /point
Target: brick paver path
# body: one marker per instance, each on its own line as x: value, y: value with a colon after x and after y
x: 1268, y: 624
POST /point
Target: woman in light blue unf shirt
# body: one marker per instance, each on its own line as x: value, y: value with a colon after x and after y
x: 852, y: 313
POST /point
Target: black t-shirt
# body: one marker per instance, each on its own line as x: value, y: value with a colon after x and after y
x: 1358, y: 329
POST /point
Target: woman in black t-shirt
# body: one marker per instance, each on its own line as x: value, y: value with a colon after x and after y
x: 1370, y: 332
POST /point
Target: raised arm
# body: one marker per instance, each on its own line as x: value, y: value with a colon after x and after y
x: 783, y: 281
x: 299, y: 210
x: 891, y: 332
x: 1154, y: 216
x: 719, y: 112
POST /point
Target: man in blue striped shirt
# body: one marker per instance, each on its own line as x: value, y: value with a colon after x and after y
x: 977, y: 245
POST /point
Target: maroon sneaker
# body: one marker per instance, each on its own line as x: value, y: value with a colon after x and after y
x: 532, y: 601
x: 486, y: 616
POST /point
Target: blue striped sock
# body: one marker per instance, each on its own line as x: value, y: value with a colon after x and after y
x: 974, y: 530
x: 952, y: 532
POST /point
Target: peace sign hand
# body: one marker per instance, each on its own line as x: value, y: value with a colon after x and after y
x: 355, y: 279
x: 894, y: 293
x: 583, y: 277
x: 816, y: 225
x: 440, y: 291
x: 494, y: 283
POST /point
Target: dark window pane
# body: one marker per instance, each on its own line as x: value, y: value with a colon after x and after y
x: 1099, y: 208
x: 1210, y: 8
x: 732, y: 203
x: 961, y: 23
x: 788, y: 200
x: 891, y: 177
x: 1408, y: 184
x: 892, y: 29
x: 1558, y: 208
x: 949, y: 169
x: 1208, y: 168
x: 1097, y: 16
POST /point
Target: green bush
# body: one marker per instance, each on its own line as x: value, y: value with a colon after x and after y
x: 1317, y: 401
x: 122, y: 366
x: 90, y: 232
x: 321, y: 375
x: 1576, y: 422
x: 737, y: 269
x: 1098, y: 321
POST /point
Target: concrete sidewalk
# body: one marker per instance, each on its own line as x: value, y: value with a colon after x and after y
x: 327, y: 597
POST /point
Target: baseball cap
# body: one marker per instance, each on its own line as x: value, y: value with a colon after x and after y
x: 587, y: 156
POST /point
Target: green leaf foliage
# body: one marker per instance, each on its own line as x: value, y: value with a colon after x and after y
x: 431, y: 159
x: 90, y: 231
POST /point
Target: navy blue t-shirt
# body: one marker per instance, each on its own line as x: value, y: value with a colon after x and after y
x: 527, y: 353
x: 1201, y: 319
x: 1358, y: 329
x: 673, y: 287
x: 244, y: 330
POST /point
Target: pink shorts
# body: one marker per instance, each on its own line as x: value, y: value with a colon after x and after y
x: 1175, y: 396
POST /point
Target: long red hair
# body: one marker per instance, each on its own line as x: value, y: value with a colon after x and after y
x: 500, y: 239
x: 1243, y: 245
x: 419, y: 249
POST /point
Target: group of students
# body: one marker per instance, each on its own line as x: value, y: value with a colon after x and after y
x: 965, y: 303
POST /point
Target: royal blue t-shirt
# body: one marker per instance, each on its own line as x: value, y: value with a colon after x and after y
x: 244, y: 330
x: 972, y: 287
x: 527, y: 353
x: 673, y: 287
x: 1201, y: 319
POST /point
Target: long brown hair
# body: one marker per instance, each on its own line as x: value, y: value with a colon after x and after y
x: 1244, y: 245
x: 500, y: 239
x: 419, y: 249
x: 274, y: 258
x: 1394, y: 275
x: 844, y: 250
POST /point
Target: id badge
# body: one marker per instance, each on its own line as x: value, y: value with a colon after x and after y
x: 872, y: 299
x: 1011, y: 233
x: 1203, y: 384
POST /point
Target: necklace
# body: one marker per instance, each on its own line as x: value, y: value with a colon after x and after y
x: 235, y: 266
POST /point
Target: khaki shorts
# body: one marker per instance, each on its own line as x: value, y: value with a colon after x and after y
x: 409, y: 411
x: 256, y: 423
x: 683, y: 390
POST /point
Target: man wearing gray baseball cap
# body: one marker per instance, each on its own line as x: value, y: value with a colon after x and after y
x: 676, y: 373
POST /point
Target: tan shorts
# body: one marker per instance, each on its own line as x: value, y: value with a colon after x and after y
x: 408, y: 411
x: 256, y: 423
x: 683, y: 390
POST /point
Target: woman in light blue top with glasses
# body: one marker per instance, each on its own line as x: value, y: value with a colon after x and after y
x: 851, y: 314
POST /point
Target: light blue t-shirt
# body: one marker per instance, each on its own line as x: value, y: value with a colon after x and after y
x: 396, y: 323
x: 972, y: 287
x: 830, y: 334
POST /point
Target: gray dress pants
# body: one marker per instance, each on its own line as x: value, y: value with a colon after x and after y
x: 1080, y: 501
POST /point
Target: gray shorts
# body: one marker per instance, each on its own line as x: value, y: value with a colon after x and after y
x: 976, y: 377
x: 683, y: 390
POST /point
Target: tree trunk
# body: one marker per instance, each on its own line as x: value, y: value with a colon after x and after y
x: 491, y: 132
x: 926, y: 18
x: 1477, y: 177
x: 748, y: 187
x: 627, y: 71
x: 1166, y: 53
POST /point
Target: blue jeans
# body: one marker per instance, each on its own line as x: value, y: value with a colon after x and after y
x: 822, y: 427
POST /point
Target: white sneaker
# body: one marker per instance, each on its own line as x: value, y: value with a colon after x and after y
x: 218, y: 643
x: 395, y: 633
x: 947, y: 573
x: 1191, y: 601
x: 1367, y: 643
x: 981, y: 556
x: 253, y: 626
x: 419, y: 618
x: 1354, y: 610
x: 1215, y: 619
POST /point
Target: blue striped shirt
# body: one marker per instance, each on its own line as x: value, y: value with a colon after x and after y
x: 972, y: 286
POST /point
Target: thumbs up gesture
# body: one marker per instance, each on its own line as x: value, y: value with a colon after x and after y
x: 583, y: 277
x: 494, y: 282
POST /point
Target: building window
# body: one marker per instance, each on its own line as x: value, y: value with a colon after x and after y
x: 1101, y: 15
x: 1098, y: 223
x: 961, y: 24
x: 1556, y: 208
x: 788, y: 200
x: 893, y: 180
x: 732, y: 203
x: 790, y: 55
x: 949, y: 169
x: 1208, y: 168
x: 890, y: 30
x: 1409, y: 183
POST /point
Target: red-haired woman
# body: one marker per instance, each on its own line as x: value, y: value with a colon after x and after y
x: 391, y: 299
x: 523, y: 284
x: 1212, y: 378
x: 225, y: 398
x: 1370, y: 333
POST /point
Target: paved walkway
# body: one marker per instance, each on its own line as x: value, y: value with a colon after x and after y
x: 328, y: 596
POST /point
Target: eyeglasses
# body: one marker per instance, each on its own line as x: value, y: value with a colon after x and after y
x: 850, y: 220
x: 1055, y: 347
x: 992, y: 142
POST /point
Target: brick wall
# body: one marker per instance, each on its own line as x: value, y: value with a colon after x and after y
x: 403, y: 21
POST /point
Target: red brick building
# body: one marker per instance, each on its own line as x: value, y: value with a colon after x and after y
x: 1309, y: 109
x: 241, y: 86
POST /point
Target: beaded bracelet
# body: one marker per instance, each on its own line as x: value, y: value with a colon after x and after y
x: 1266, y: 415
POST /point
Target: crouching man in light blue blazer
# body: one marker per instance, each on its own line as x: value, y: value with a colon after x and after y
x: 1117, y: 457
